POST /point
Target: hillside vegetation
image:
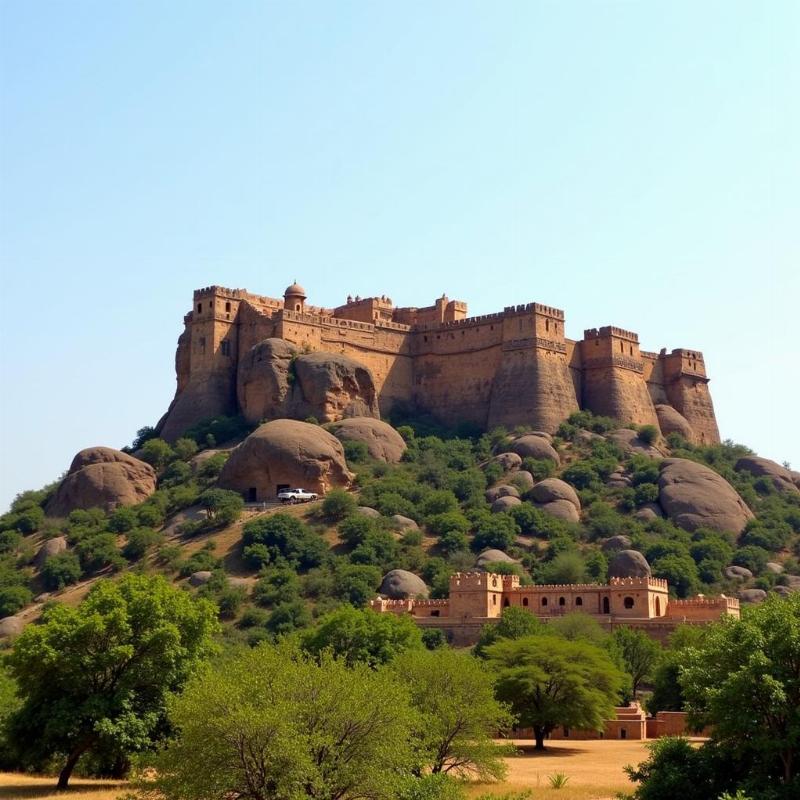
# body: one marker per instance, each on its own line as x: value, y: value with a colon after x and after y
x: 276, y: 570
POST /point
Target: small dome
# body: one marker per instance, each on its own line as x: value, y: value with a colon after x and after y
x: 295, y: 289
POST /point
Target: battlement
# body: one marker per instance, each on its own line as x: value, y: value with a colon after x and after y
x: 642, y: 583
x: 704, y: 602
x: 608, y: 331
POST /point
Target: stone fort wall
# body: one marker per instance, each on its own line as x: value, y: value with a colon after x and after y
x: 513, y: 367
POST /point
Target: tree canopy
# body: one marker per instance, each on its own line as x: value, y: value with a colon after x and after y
x: 550, y: 681
x: 95, y: 678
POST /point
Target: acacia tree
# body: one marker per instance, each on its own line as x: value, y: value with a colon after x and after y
x: 459, y: 714
x: 550, y: 681
x: 276, y: 724
x: 744, y: 680
x: 95, y: 678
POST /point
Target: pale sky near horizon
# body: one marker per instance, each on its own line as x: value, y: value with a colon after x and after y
x: 634, y: 163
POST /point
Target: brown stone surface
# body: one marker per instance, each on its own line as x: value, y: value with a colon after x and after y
x: 551, y: 489
x: 514, y: 367
x: 628, y: 564
x: 737, y: 573
x: 618, y: 542
x: 505, y: 503
x: 200, y: 578
x: 104, y: 478
x: 504, y: 490
x: 672, y: 421
x: 562, y: 509
x: 508, y: 461
x: 10, y: 626
x: 404, y: 523
x: 780, y: 476
x: 286, y: 452
x: 366, y: 511
x: 694, y: 496
x: 523, y: 480
x: 276, y: 380
x: 530, y: 446
x: 493, y: 556
x: 752, y: 595
x: 399, y: 584
x: 630, y: 442
x: 52, y: 547
x: 383, y: 442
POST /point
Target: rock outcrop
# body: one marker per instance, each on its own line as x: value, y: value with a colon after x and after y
x: 782, y: 478
x: 52, y: 547
x: 557, y: 498
x: 10, y: 626
x: 104, y: 478
x: 615, y: 543
x: 508, y: 461
x: 398, y: 584
x: 285, y: 453
x: 672, y: 421
x: 630, y: 442
x: 694, y: 496
x: 493, y: 556
x: 628, y: 564
x: 533, y: 446
x: 383, y: 442
x: 505, y: 503
x: 276, y: 380
x: 504, y: 490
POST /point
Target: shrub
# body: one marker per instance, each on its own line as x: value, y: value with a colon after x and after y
x: 540, y: 468
x: 354, y: 529
x: 754, y: 558
x: 212, y: 466
x: 139, y: 540
x: 13, y: 599
x: 355, y: 583
x: 337, y: 505
x: 222, y: 506
x: 648, y: 433
x: 275, y: 586
x: 355, y: 452
x: 566, y: 567
x: 494, y: 531
x: 61, y: 570
x: 122, y: 519
x: 453, y: 541
x: 98, y: 552
x: 185, y: 448
x: 288, y: 617
x: 645, y: 493
x: 202, y: 560
x: 150, y: 515
x: 157, y: 453
x: 230, y: 600
x: 582, y: 475
x: 286, y: 537
x: 29, y: 520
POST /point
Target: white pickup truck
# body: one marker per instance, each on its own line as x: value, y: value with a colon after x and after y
x: 296, y: 496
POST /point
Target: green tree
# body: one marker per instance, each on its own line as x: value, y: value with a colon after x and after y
x: 222, y: 506
x: 362, y: 636
x: 549, y: 681
x: 95, y: 678
x: 286, y: 538
x: 61, y: 570
x: 745, y: 681
x: 337, y: 505
x: 515, y: 623
x: 157, y: 453
x: 271, y: 724
x: 640, y: 654
x: 459, y: 715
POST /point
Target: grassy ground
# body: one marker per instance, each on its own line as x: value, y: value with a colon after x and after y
x: 594, y: 769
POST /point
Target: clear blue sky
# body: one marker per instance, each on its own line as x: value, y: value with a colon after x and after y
x: 635, y: 164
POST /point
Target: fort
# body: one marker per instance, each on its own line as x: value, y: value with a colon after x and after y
x: 478, y: 598
x: 513, y: 367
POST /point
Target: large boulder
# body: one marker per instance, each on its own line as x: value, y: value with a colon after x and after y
x: 383, y: 442
x: 200, y: 578
x: 399, y: 584
x: 672, y: 421
x: 737, y: 573
x: 752, y: 595
x: 276, y: 380
x: 557, y: 498
x: 628, y: 564
x: 285, y: 453
x: 403, y: 523
x: 615, y: 543
x: 504, y: 490
x: 694, y: 496
x: 493, y: 556
x: 505, y: 503
x: 532, y: 446
x: 630, y: 442
x: 781, y: 477
x: 104, y: 478
x: 366, y: 511
x: 523, y: 480
x: 508, y: 461
x: 551, y: 489
x: 52, y: 547
x: 10, y: 626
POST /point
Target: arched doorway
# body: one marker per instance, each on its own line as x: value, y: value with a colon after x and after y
x: 658, y: 606
x: 606, y: 606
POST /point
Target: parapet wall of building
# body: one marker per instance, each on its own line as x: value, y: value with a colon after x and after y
x: 512, y: 367
x: 478, y: 598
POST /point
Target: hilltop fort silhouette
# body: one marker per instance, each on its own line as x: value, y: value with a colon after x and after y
x: 513, y: 367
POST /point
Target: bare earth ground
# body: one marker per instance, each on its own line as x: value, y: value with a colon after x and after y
x: 594, y: 768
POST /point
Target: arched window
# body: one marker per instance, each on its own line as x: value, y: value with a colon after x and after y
x: 297, y: 307
x: 544, y: 601
x: 227, y: 307
x: 621, y: 347
x: 199, y: 307
x: 525, y: 601
x: 562, y: 601
x: 658, y: 606
x: 628, y: 602
x: 578, y: 601
x: 506, y: 603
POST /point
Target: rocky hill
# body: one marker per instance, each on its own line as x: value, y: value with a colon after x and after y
x: 592, y: 501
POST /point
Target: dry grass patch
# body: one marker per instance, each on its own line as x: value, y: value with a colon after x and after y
x: 595, y: 770
x: 14, y: 786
